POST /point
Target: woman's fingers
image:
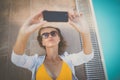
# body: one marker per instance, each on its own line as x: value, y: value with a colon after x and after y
x: 38, y: 25
x: 73, y: 16
x: 76, y: 17
x: 35, y: 18
x: 37, y: 15
x: 34, y: 27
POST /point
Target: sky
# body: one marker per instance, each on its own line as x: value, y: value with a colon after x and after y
x: 107, y: 13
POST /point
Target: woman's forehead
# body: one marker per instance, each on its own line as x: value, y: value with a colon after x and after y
x: 47, y: 30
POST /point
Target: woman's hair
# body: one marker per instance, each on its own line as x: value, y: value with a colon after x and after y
x: 62, y: 44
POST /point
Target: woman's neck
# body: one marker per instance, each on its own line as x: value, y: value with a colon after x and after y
x: 52, y: 53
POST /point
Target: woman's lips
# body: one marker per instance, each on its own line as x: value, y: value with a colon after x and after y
x: 51, y: 39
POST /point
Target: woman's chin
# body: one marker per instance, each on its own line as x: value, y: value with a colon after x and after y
x: 51, y: 46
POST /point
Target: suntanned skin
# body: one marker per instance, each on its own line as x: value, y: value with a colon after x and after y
x: 52, y: 61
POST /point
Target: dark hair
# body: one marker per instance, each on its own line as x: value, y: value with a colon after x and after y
x: 62, y: 44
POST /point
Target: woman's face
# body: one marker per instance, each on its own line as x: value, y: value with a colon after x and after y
x: 50, y: 37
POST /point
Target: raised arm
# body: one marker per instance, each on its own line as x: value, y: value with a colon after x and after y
x: 30, y: 26
x: 18, y: 57
x: 78, y: 21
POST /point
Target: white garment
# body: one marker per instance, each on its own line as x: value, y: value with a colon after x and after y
x: 33, y: 62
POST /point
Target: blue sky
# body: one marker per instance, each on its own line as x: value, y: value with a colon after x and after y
x: 107, y: 14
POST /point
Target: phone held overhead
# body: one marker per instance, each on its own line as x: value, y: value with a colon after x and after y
x: 55, y: 16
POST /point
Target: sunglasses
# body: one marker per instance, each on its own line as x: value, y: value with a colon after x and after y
x: 46, y: 34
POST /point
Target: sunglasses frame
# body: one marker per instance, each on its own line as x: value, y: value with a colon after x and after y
x: 47, y: 34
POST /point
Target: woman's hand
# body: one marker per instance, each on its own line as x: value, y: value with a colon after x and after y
x: 32, y: 24
x: 78, y: 21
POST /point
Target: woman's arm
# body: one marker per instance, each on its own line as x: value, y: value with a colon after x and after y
x: 78, y: 21
x: 30, y: 26
x: 18, y: 57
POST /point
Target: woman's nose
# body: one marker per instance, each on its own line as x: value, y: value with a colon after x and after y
x: 50, y: 36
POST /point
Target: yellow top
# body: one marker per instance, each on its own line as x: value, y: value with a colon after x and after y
x: 65, y: 73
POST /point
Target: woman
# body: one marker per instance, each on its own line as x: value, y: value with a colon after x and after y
x: 56, y: 64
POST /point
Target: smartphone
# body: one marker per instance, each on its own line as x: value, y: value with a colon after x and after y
x: 55, y: 16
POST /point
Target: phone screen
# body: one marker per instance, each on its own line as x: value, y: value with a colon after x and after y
x: 55, y: 16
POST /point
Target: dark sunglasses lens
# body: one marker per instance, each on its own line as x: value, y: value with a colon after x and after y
x: 53, y: 33
x: 45, y: 35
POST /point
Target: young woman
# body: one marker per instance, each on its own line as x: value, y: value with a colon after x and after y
x: 57, y: 64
